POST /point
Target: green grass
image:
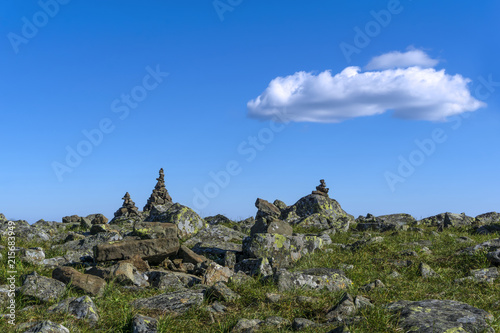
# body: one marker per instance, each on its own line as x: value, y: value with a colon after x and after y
x: 370, y: 262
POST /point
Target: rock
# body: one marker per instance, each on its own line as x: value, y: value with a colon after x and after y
x: 152, y: 250
x: 71, y: 219
x: 188, y: 222
x: 221, y: 292
x: 273, y: 298
x: 385, y: 222
x: 188, y: 256
x: 440, y: 316
x: 215, y: 273
x: 154, y: 230
x: 164, y: 280
x: 128, y: 208
x: 488, y: 275
x: 426, y: 271
x: 90, y: 284
x: 272, y: 226
x: 347, y: 307
x: 372, y: 285
x: 97, y: 219
x: 255, y: 267
x: 365, y: 242
x: 2, y: 217
x: 314, y: 278
x: 281, y: 250
x: 45, y: 326
x: 176, y: 302
x: 42, y: 288
x: 138, y: 263
x: 98, y: 228
x: 280, y: 205
x: 266, y: 209
x: 240, y: 278
x: 446, y: 220
x: 492, y: 245
x: 34, y: 255
x: 82, y: 308
x: 144, y: 324
x: 247, y: 325
x: 216, y: 241
x: 276, y: 322
x: 494, y: 257
x: 230, y: 259
x: 299, y: 324
x: 394, y: 274
x: 319, y: 212
x: 217, y: 219
x: 488, y: 218
x: 160, y: 194
x: 123, y: 273
x: 85, y: 246
x: 488, y: 229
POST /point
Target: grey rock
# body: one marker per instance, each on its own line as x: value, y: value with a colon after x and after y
x: 221, y: 292
x: 385, y: 222
x: 433, y: 315
x: 272, y: 226
x: 217, y: 219
x: 488, y: 275
x: 247, y: 325
x: 165, y: 280
x: 372, y: 285
x: 446, y: 220
x: 172, y: 302
x: 230, y: 259
x: 71, y: 219
x: 313, y: 278
x: 144, y: 324
x: 426, y: 271
x: 45, y: 326
x: 266, y: 209
x: 42, y: 288
x: 255, y: 267
x: 276, y: 322
x: 300, y: 324
x: 90, y: 284
x: 186, y: 219
x: 81, y: 308
x: 488, y: 218
x: 34, y: 255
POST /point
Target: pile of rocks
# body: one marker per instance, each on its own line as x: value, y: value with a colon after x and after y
x: 160, y: 194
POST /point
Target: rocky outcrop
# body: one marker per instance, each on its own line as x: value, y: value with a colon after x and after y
x: 152, y: 250
x: 446, y: 220
x: 186, y: 219
x: 160, y: 194
x: 128, y: 209
x: 385, y: 222
x: 488, y: 218
x: 434, y: 315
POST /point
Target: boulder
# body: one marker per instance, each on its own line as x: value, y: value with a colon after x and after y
x: 97, y: 219
x: 434, y: 315
x: 487, y: 275
x: 300, y: 324
x: 272, y: 226
x: 385, y: 222
x: 492, y: 246
x: 90, y: 284
x: 255, y: 267
x: 144, y: 324
x: 34, y: 255
x: 176, y: 302
x: 217, y: 219
x: 216, y: 241
x: 152, y: 250
x: 488, y: 218
x: 266, y: 209
x: 164, y: 280
x: 313, y: 278
x: 81, y: 308
x: 221, y: 292
x: 185, y: 218
x: 214, y: 272
x: 188, y: 256
x: 154, y: 230
x: 247, y: 325
x: 426, y: 271
x: 45, y: 326
x: 446, y: 220
x: 138, y: 263
x: 2, y: 217
x: 42, y: 288
x: 71, y: 219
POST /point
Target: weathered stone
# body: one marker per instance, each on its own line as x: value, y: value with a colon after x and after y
x: 82, y: 308
x: 300, y: 324
x: 247, y: 325
x: 280, y: 205
x: 85, y: 246
x: 321, y: 189
x: 42, y: 288
x: 344, y: 308
x: 97, y: 219
x: 154, y: 230
x: 138, y: 263
x: 45, y: 326
x: 34, y: 255
x: 152, y: 250
x: 314, y: 278
x: 165, y: 280
x: 160, y: 194
x: 173, y: 302
x: 71, y: 219
x: 188, y: 256
x: 185, y: 218
x: 365, y: 242
x: 220, y: 291
x: 98, y: 228
x: 446, y: 220
x: 215, y: 273
x: 488, y: 218
x: 433, y: 315
x: 217, y: 219
x: 488, y: 275
x: 2, y: 217
x: 385, y: 222
x: 272, y: 226
x: 144, y: 324
x: 494, y: 257
x: 276, y: 322
x: 255, y: 267
x: 128, y: 208
x: 372, y: 285
x: 123, y: 273
x: 488, y: 229
x: 266, y: 209
x: 216, y: 241
x: 87, y: 283
x: 229, y: 259
x: 426, y: 271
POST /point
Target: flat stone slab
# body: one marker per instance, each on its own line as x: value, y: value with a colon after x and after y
x: 152, y: 250
x: 313, y: 278
x: 174, y: 302
x: 441, y: 316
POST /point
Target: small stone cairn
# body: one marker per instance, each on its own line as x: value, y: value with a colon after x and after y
x: 160, y: 194
x: 128, y: 208
x: 321, y: 189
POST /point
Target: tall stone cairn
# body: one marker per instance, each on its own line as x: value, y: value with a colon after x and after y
x: 321, y: 189
x: 160, y: 194
x: 128, y: 208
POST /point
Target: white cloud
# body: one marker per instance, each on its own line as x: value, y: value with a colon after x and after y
x: 411, y: 93
x: 397, y: 59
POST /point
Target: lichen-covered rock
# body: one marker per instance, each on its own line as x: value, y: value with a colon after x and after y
x: 71, y: 219
x: 300, y: 324
x: 85, y: 282
x: 85, y: 246
x: 165, y: 280
x: 426, y: 271
x: 217, y: 219
x: 221, y: 292
x: 173, y: 302
x: 385, y: 222
x: 34, y: 255
x: 255, y: 267
x: 494, y: 257
x: 272, y: 226
x: 488, y: 218
x: 281, y: 250
x: 154, y: 230
x: 492, y: 246
x: 216, y: 241
x: 152, y: 250
x: 214, y: 272
x: 184, y: 217
x: 81, y: 308
x: 372, y: 285
x: 446, y: 220
x: 266, y: 209
x: 45, y: 326
x: 42, y: 288
x: 144, y: 324
x: 247, y: 325
x: 488, y: 229
x: 487, y: 275
x: 432, y: 316
x: 313, y: 278
x: 2, y: 217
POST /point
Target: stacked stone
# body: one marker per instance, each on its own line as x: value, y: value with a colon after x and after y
x: 160, y: 194
x: 321, y: 189
x: 128, y: 208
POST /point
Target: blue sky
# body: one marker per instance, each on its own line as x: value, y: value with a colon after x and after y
x: 134, y: 86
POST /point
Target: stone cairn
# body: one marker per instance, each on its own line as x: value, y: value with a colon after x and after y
x: 321, y: 189
x: 160, y: 194
x: 128, y: 208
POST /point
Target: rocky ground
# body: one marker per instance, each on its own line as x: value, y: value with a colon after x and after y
x: 306, y: 267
